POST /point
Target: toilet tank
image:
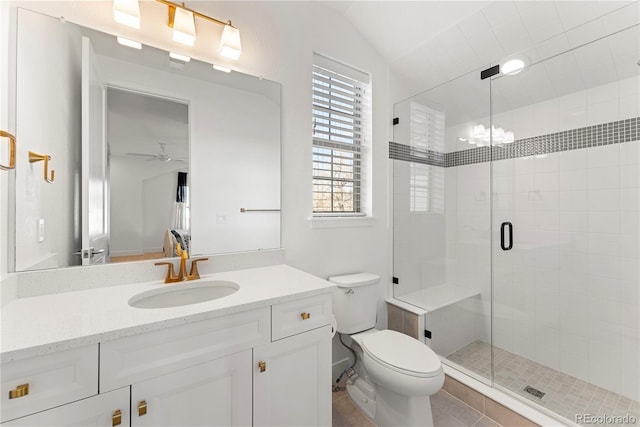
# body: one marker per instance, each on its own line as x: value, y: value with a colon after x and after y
x: 355, y: 302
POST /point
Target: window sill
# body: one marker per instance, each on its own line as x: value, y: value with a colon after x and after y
x: 341, y: 221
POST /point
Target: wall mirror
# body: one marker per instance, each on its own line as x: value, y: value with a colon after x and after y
x: 147, y: 150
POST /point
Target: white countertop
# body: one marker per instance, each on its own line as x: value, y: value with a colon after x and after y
x: 48, y: 323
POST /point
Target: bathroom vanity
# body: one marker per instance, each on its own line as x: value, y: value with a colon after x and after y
x: 260, y: 356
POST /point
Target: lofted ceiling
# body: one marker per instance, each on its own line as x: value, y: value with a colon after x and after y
x: 431, y: 42
x: 396, y: 28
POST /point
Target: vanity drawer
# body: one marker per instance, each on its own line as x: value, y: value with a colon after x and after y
x: 301, y: 315
x: 42, y: 382
x: 140, y: 357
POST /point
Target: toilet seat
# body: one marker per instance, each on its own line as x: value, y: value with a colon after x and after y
x: 402, y: 354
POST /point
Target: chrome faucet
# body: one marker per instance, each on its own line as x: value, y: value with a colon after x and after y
x: 182, y: 275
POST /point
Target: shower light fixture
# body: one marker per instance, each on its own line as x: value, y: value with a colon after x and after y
x: 512, y: 66
x: 182, y: 20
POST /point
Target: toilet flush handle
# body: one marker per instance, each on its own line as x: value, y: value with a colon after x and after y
x: 349, y: 292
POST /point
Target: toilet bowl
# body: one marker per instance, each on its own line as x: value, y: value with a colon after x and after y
x: 396, y: 374
x: 402, y: 364
x: 404, y: 373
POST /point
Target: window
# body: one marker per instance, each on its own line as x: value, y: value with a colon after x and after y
x: 426, y: 182
x: 341, y: 120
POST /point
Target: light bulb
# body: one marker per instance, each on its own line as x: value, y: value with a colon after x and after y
x: 513, y: 66
x: 184, y: 27
x: 230, y: 45
x: 127, y: 12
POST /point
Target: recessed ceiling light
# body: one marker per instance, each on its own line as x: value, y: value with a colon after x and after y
x: 512, y: 66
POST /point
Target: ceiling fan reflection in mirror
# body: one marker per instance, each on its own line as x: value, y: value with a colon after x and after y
x: 162, y: 156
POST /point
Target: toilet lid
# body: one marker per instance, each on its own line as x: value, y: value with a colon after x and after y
x: 401, y: 352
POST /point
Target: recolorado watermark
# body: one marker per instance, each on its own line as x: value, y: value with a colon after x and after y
x: 589, y: 419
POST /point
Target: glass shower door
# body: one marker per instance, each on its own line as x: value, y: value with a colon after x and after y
x: 441, y: 219
x: 565, y: 218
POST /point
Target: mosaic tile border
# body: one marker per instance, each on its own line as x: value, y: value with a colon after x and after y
x: 416, y: 155
x: 591, y: 136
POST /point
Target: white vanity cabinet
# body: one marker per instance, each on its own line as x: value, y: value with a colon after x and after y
x: 42, y: 382
x: 292, y: 374
x: 269, y: 365
x: 104, y: 410
x: 216, y: 393
x: 292, y: 380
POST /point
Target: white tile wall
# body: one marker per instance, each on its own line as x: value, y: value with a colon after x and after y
x: 568, y: 294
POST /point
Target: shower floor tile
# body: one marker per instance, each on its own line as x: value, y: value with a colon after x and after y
x: 563, y: 394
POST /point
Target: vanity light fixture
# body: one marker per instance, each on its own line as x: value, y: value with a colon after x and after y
x: 127, y: 12
x: 129, y: 43
x: 179, y: 57
x: 221, y: 68
x: 182, y: 20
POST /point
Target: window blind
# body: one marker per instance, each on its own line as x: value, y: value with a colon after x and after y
x: 340, y: 111
x: 426, y: 182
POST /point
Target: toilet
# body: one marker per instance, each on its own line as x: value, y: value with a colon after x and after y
x: 395, y: 374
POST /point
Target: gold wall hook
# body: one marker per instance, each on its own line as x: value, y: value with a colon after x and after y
x: 35, y: 157
x: 12, y: 151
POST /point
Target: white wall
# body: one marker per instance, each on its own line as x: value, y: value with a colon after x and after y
x: 5, y: 31
x: 45, y: 102
x: 235, y: 164
x: 279, y: 39
x: 234, y: 156
x: 158, y: 205
x: 128, y: 201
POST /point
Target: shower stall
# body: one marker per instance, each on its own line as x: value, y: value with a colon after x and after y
x: 516, y: 204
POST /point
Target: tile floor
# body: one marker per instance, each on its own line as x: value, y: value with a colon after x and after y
x: 447, y: 412
x: 565, y: 395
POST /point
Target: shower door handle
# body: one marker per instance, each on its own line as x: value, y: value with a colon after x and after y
x: 502, y: 241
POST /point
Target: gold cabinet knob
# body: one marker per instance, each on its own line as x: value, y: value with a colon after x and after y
x: 116, y: 419
x: 305, y: 316
x: 142, y: 408
x: 20, y: 391
x: 262, y: 365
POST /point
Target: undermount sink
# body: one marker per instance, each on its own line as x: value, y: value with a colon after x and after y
x: 184, y: 294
